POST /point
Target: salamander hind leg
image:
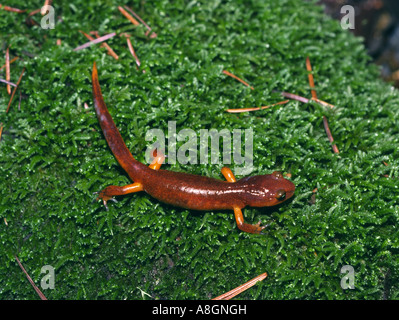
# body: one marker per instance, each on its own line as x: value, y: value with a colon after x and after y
x: 109, y: 192
x: 228, y: 174
x: 159, y: 158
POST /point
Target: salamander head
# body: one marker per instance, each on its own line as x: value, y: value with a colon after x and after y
x: 267, y: 190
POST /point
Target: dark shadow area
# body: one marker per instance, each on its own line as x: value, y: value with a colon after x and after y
x: 377, y: 22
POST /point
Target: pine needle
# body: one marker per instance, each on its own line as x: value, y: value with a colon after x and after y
x: 7, y: 8
x: 98, y: 40
x: 131, y: 49
x: 256, y: 108
x: 11, y: 61
x: 310, y: 77
x: 15, y: 89
x: 237, y: 78
x: 103, y: 45
x: 41, y: 295
x: 128, y: 16
x: 153, y: 35
x: 243, y: 287
x: 329, y: 135
x: 43, y: 10
x: 8, y: 82
x: 8, y: 69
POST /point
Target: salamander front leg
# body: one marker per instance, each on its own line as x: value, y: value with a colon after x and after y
x: 251, y: 228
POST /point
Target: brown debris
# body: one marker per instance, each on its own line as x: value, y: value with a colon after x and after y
x: 41, y: 295
x: 15, y: 89
x: 128, y: 16
x: 243, y: 287
x: 314, y: 97
x: 237, y: 78
x: 11, y: 61
x: 94, y: 41
x: 8, y: 69
x: 329, y: 135
x: 131, y: 49
x: 256, y: 108
x: 103, y: 45
x: 8, y: 82
x: 153, y: 34
x: 43, y: 10
x: 310, y: 77
x: 7, y: 8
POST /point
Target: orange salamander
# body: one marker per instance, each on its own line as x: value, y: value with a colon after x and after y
x: 187, y: 190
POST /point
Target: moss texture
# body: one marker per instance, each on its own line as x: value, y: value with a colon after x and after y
x: 53, y: 155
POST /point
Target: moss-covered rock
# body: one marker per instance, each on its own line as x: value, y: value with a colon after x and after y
x: 53, y: 155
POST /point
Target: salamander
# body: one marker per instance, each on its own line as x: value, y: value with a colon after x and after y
x: 187, y: 190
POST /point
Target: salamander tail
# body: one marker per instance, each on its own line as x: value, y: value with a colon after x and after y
x: 111, y: 132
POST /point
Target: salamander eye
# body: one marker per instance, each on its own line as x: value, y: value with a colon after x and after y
x: 280, y: 194
x: 277, y: 174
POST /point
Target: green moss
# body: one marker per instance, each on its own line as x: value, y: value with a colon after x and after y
x: 53, y: 155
